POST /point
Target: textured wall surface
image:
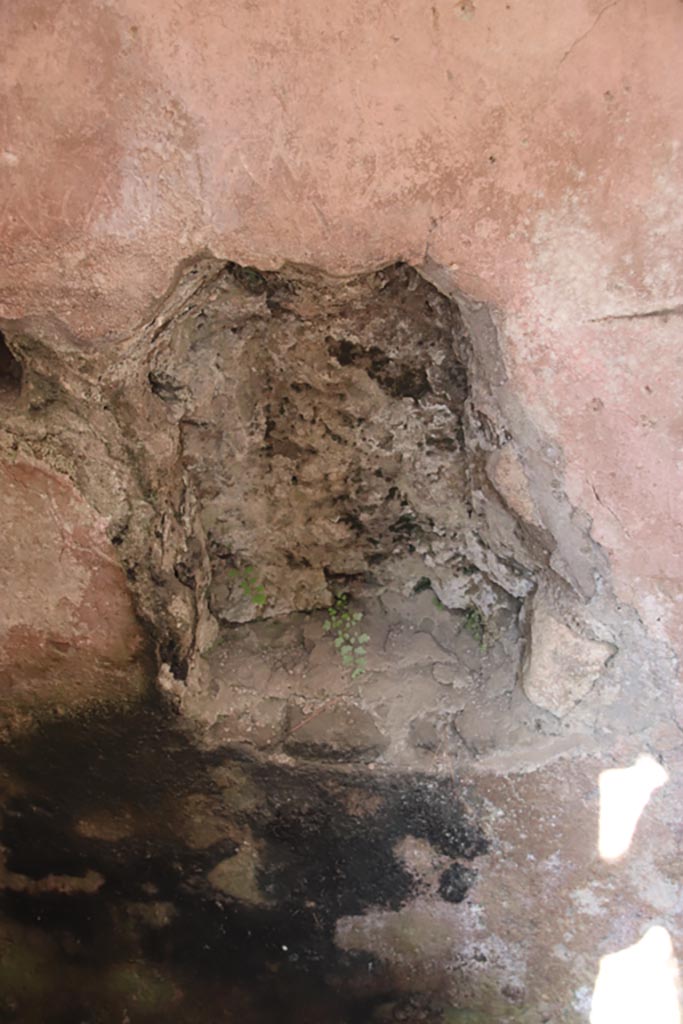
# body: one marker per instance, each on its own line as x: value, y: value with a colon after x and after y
x: 526, y: 158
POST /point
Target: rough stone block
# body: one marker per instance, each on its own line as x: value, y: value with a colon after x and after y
x: 560, y: 666
x: 506, y: 472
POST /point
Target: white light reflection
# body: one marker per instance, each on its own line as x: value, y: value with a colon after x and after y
x: 639, y: 984
x: 624, y: 793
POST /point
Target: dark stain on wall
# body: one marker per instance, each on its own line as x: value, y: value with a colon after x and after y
x: 131, y: 803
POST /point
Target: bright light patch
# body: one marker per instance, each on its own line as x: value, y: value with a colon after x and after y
x: 639, y: 984
x: 624, y: 792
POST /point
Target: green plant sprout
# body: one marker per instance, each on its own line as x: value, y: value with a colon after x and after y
x: 254, y: 590
x: 476, y: 626
x: 344, y: 625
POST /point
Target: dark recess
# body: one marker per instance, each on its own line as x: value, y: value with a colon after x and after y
x: 11, y: 370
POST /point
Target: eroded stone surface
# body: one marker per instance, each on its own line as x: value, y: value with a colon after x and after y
x: 272, y: 437
x: 507, y: 475
x: 560, y: 666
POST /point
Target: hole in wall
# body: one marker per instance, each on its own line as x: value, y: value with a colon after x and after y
x: 337, y: 473
x: 322, y: 426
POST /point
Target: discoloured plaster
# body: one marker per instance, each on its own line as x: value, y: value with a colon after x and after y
x: 69, y: 631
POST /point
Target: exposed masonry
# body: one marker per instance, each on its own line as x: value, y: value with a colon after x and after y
x: 322, y: 435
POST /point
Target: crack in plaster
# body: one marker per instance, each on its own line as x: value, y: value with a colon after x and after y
x: 646, y: 315
x: 588, y: 31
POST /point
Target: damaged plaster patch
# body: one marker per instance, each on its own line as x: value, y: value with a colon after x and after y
x: 271, y: 439
x: 322, y: 428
